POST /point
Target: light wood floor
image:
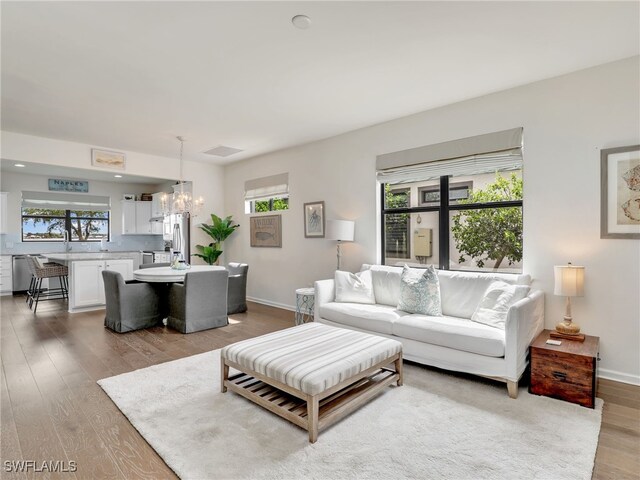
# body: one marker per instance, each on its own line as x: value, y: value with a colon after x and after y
x: 52, y: 408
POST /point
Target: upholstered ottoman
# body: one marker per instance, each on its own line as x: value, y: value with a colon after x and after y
x: 313, y: 374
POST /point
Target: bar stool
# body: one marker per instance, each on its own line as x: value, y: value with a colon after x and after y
x: 40, y: 271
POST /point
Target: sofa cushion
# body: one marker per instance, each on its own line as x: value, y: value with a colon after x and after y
x: 461, y: 292
x: 354, y: 287
x: 420, y: 291
x: 495, y: 304
x: 386, y: 284
x: 373, y: 318
x: 456, y: 333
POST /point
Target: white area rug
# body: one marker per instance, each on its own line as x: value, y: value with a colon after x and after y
x: 435, y: 426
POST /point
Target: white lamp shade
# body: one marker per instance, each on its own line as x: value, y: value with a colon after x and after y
x: 569, y: 281
x: 340, y: 230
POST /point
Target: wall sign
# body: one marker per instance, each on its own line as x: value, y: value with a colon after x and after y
x: 266, y: 231
x: 61, y: 185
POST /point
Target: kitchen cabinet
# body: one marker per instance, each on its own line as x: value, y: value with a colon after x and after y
x: 136, y: 218
x: 143, y: 217
x: 128, y: 217
x: 156, y: 205
x: 6, y: 275
x: 3, y: 212
x: 87, y: 286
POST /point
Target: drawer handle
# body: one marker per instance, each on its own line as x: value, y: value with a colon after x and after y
x: 559, y: 375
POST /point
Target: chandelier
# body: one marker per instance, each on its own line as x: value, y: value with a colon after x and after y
x: 180, y: 202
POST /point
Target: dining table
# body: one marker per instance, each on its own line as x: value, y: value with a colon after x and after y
x: 170, y: 275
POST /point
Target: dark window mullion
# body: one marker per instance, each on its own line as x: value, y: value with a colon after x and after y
x: 67, y: 224
x: 479, y: 206
x: 383, y: 224
x: 443, y: 222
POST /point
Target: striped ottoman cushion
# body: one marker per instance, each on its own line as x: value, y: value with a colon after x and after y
x: 311, y: 357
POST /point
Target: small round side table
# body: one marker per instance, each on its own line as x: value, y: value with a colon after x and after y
x: 305, y: 301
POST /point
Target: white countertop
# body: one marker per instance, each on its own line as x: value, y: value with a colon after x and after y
x: 70, y: 257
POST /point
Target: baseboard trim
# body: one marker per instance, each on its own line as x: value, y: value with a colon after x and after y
x: 619, y: 376
x: 272, y: 304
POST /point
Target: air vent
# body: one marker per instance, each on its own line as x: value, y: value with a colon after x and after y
x: 222, y: 151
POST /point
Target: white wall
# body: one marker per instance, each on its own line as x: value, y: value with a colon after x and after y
x: 566, y: 120
x: 207, y: 179
x: 16, y: 183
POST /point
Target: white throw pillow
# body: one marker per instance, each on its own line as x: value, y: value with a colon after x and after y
x: 354, y: 287
x: 498, y: 298
x: 420, y: 291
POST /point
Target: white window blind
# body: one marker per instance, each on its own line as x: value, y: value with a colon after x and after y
x: 65, y: 201
x: 266, y: 187
x: 493, y: 152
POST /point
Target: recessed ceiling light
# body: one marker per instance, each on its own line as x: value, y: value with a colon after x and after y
x: 118, y: 176
x: 301, y: 21
x: 18, y: 165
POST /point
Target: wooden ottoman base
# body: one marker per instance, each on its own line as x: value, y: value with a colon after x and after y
x: 312, y: 412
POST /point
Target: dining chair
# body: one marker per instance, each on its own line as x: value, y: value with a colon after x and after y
x: 200, y: 303
x: 237, y: 297
x: 130, y: 306
x: 154, y: 265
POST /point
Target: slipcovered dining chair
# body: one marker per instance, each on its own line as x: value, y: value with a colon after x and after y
x: 237, y: 297
x: 130, y: 306
x: 200, y: 303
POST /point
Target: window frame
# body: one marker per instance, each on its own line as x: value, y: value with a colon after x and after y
x: 250, y: 208
x: 468, y: 185
x: 406, y: 190
x: 443, y: 209
x: 67, y: 225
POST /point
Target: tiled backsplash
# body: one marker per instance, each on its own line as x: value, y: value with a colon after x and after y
x: 10, y: 244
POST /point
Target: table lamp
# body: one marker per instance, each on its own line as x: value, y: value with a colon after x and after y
x: 342, y: 231
x: 569, y: 282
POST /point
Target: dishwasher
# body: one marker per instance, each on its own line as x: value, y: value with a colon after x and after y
x: 22, y: 275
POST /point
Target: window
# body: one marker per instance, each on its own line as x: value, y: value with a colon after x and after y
x: 47, y: 216
x: 267, y: 205
x: 45, y: 224
x: 267, y: 194
x: 397, y: 226
x: 467, y: 212
x: 430, y: 196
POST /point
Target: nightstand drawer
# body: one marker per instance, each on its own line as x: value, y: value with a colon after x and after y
x: 569, y: 392
x: 558, y: 367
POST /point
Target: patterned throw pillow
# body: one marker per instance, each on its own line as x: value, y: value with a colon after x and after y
x: 420, y: 291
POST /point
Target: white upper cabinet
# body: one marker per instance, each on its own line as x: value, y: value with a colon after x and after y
x: 156, y: 205
x: 143, y: 217
x: 3, y: 212
x: 136, y: 219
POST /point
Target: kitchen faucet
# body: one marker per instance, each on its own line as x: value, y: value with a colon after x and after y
x: 67, y: 246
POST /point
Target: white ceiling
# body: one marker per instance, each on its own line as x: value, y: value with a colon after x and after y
x: 133, y: 75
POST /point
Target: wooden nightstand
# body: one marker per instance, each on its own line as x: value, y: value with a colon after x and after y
x: 567, y: 371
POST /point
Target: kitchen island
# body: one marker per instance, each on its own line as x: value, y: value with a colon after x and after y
x: 86, y: 288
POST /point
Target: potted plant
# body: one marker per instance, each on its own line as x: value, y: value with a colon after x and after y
x: 219, y: 231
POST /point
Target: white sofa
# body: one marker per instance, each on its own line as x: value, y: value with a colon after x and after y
x: 453, y: 341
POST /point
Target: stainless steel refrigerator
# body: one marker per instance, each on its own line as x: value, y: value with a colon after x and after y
x: 177, y: 230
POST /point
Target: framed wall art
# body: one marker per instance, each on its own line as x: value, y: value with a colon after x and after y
x: 266, y: 231
x: 107, y: 159
x: 314, y: 220
x: 620, y: 192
